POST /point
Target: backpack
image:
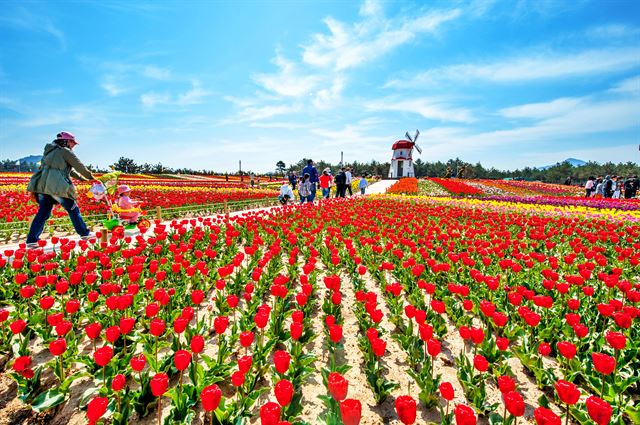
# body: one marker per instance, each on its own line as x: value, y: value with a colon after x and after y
x: 341, y: 178
x: 304, y: 189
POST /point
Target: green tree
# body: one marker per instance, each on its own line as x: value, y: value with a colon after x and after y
x: 281, y: 167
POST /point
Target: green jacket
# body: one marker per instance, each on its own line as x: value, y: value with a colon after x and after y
x: 57, y: 167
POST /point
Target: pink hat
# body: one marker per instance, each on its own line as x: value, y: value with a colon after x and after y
x: 123, y: 188
x: 64, y: 135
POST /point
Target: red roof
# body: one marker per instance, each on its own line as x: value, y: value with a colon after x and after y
x: 402, y: 144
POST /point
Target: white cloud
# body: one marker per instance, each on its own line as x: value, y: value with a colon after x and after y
x: 157, y: 73
x: 531, y: 66
x: 613, y: 31
x: 152, y: 99
x: 425, y: 107
x: 23, y: 19
x: 193, y: 96
x: 630, y: 86
x: 111, y: 84
x: 290, y: 81
x: 541, y: 110
x: 349, y: 46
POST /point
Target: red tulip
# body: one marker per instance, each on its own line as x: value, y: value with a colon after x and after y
x: 159, y: 384
x: 246, y: 338
x: 138, y: 362
x: 514, y: 403
x: 446, y: 391
x: 295, y: 330
x: 335, y: 333
x: 102, y: 356
x: 433, y: 347
x: 93, y: 330
x: 96, y: 408
x: 281, y: 359
x: 270, y: 413
x: 599, y: 410
x: 338, y: 386
x: 480, y: 363
x: 502, y: 343
x: 112, y: 334
x: 156, y: 327
x: 210, y: 397
x: 406, y: 409
x: 378, y: 346
x: 118, y: 382
x: 544, y: 416
x: 220, y: 324
x: 567, y: 392
x: 603, y: 363
x: 616, y: 340
x: 567, y: 349
x: 127, y: 324
x: 237, y: 379
x: 197, y: 344
x: 351, y: 411
x: 506, y: 384
x: 284, y: 392
x: 58, y: 347
x: 244, y: 364
x: 544, y: 349
x: 464, y: 415
x: 182, y: 359
x: 22, y: 363
x: 17, y: 326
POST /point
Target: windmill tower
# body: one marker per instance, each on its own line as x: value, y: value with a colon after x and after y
x: 402, y: 160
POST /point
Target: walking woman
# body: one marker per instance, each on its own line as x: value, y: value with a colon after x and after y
x: 51, y: 185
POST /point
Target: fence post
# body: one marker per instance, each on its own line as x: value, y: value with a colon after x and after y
x: 159, y: 213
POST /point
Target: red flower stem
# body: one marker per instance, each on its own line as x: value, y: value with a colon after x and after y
x: 159, y: 410
x: 104, y: 379
x: 566, y: 422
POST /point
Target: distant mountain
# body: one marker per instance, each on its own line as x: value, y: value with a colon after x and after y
x: 573, y: 161
x: 31, y: 159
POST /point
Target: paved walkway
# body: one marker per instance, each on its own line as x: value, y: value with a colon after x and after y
x: 380, y: 187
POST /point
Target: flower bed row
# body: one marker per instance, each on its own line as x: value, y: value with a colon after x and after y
x: 214, y: 319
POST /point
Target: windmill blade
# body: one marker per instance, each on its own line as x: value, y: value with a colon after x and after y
x: 408, y: 136
x: 418, y: 148
x: 415, y: 138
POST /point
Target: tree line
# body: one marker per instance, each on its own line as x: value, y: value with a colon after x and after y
x: 557, y: 173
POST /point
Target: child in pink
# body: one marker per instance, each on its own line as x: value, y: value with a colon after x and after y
x: 126, y: 203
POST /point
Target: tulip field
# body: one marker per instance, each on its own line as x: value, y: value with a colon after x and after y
x: 403, y: 308
x: 176, y: 197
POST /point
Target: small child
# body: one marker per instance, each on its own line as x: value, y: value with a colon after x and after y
x: 362, y: 184
x: 126, y: 203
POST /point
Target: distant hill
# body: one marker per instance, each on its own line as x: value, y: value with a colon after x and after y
x: 31, y: 159
x: 573, y: 161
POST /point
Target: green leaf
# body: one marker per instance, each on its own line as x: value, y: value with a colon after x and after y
x: 48, y: 400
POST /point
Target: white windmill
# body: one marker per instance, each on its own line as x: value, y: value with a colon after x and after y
x: 402, y: 160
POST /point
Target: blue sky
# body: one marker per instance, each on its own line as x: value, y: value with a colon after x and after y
x: 204, y: 84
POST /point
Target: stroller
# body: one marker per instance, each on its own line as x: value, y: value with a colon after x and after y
x: 105, y: 189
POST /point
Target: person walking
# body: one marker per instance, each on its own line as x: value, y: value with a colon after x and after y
x: 313, y: 177
x: 341, y: 183
x: 607, y: 188
x: 325, y: 183
x: 349, y: 180
x: 52, y: 185
x: 293, y: 179
x: 589, y: 186
x: 363, y: 184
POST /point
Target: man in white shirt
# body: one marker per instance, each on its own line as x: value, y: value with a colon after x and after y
x: 286, y: 194
x: 349, y: 179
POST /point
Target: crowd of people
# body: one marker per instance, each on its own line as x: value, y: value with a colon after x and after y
x: 615, y: 187
x: 310, y: 181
